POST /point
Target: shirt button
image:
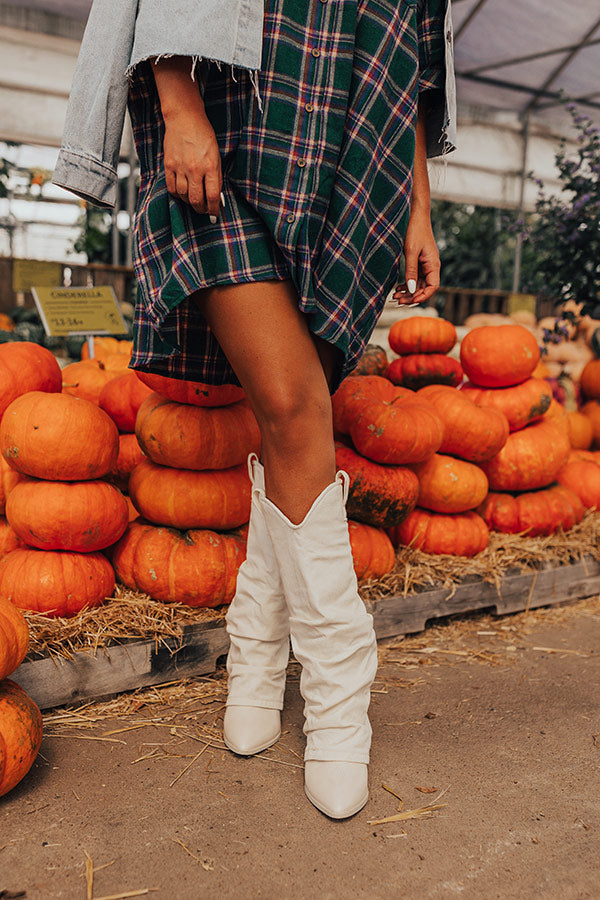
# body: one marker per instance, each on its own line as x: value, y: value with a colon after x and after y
x: 290, y: 217
x: 308, y: 107
x: 301, y: 163
x: 316, y: 53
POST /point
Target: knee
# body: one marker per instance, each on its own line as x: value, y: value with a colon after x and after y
x: 293, y: 408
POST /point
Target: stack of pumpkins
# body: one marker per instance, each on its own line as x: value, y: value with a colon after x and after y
x: 190, y: 488
x: 423, y: 353
x: 20, y: 718
x: 61, y: 446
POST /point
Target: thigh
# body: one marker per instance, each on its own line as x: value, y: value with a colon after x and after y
x: 266, y: 339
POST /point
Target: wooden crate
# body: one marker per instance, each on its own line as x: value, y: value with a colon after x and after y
x: 123, y: 667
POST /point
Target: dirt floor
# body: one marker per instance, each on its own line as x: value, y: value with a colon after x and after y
x: 501, y: 715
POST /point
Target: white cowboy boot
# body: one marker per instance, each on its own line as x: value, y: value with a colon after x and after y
x: 257, y: 623
x: 333, y: 639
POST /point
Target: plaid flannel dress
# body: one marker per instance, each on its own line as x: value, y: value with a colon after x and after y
x: 317, y: 183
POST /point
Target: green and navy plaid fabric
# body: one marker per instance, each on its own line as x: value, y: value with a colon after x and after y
x: 317, y: 184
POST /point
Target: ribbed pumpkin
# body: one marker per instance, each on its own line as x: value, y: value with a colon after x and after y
x: 185, y: 499
x: 462, y: 534
x: 397, y: 433
x: 107, y: 346
x: 55, y: 582
x: 499, y: 355
x: 557, y: 415
x: 532, y: 513
x: 14, y: 638
x: 9, y: 540
x: 531, y: 458
x: 581, y: 431
x: 372, y: 551
x: 583, y: 478
x: 449, y: 485
x: 379, y: 495
x: 374, y: 361
x: 196, y: 567
x: 56, y: 515
x: 422, y: 334
x: 470, y: 432
x: 354, y: 391
x: 121, y: 398
x: 20, y: 734
x: 85, y: 379
x: 8, y: 478
x: 421, y: 369
x: 590, y: 379
x: 195, y: 437
x: 592, y: 411
x: 521, y: 404
x: 194, y: 392
x: 58, y: 437
x: 130, y: 455
x: 24, y: 367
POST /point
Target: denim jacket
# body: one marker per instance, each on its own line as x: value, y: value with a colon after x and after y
x: 120, y: 34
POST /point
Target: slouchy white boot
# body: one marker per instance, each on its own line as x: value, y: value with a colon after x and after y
x: 333, y: 639
x: 257, y: 623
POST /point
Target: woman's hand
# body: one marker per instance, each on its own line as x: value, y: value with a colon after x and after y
x: 191, y: 154
x: 422, y: 269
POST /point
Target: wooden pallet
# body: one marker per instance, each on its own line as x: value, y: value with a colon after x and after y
x: 123, y: 667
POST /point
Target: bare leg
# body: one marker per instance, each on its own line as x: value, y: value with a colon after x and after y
x: 283, y: 372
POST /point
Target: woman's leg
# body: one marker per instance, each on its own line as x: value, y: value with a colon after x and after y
x: 282, y: 370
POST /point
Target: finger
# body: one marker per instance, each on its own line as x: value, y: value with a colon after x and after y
x: 181, y: 186
x: 171, y: 182
x: 411, y: 269
x: 196, y: 197
x: 212, y: 189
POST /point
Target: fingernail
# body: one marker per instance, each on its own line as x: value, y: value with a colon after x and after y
x: 411, y: 284
x: 222, y: 198
x: 213, y: 220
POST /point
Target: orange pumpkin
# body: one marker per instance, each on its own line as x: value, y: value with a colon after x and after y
x: 9, y: 540
x: 461, y: 534
x: 581, y: 431
x: 79, y: 515
x: 196, y: 567
x: 421, y: 369
x: 55, y: 582
x: 470, y: 432
x: 557, y: 415
x: 8, y: 478
x: 521, y: 404
x: 58, y: 437
x: 397, y: 433
x: 374, y: 361
x: 130, y: 455
x: 195, y: 392
x: 186, y: 499
x: 354, y: 391
x: 531, y: 458
x: 592, y: 411
x: 590, y: 379
x: 372, y: 551
x: 499, y: 356
x: 6, y: 323
x: 532, y: 513
x: 583, y: 478
x: 449, y: 485
x: 14, y: 638
x: 195, y: 437
x: 20, y: 734
x: 24, y: 367
x: 379, y: 495
x: 107, y: 346
x: 116, y: 364
x: 422, y: 334
x: 121, y: 397
x: 85, y: 379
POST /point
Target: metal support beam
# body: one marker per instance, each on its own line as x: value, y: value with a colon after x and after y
x: 519, y: 244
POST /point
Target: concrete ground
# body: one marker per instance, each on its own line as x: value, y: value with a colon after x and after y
x: 505, y: 722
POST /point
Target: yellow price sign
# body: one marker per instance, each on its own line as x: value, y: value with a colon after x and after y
x: 79, y: 310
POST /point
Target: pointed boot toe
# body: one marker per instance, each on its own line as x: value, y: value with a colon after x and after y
x: 338, y: 789
x: 249, y: 729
